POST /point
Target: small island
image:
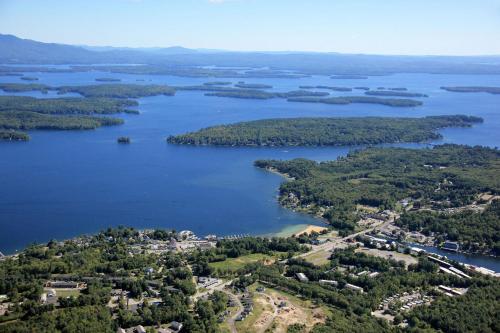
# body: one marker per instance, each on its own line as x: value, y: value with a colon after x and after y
x: 349, y: 77
x: 397, y: 102
x: 259, y: 94
x: 396, y: 93
x: 344, y: 89
x: 29, y: 78
x: 217, y: 83
x: 119, y: 90
x: 123, y: 139
x: 324, y: 131
x: 107, y: 79
x: 473, y: 89
x: 252, y: 85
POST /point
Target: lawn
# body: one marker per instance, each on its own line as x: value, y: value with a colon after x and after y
x: 233, y: 264
x: 318, y: 258
x: 67, y: 292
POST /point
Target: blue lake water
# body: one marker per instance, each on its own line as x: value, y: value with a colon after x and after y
x: 61, y: 184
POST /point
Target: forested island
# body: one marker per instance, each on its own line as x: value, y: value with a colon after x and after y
x: 98, y: 90
x: 107, y: 79
x: 118, y: 90
x: 123, y: 139
x: 398, y: 102
x: 252, y: 85
x: 18, y: 113
x: 490, y: 90
x: 29, y: 78
x: 259, y: 94
x: 394, y: 92
x: 326, y: 87
x: 324, y: 131
x: 442, y: 177
x: 217, y: 83
x: 348, y: 77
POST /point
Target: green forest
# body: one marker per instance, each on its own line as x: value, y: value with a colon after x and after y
x: 324, y: 131
x: 444, y: 176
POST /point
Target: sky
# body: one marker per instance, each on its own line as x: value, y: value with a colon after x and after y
x: 412, y: 27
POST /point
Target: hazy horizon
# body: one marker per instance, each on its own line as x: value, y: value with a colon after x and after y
x: 393, y: 27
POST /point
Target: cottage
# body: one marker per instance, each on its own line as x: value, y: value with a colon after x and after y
x: 330, y: 282
x: 353, y: 287
x: 301, y: 277
x: 175, y: 326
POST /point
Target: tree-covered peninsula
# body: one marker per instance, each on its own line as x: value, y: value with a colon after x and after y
x: 442, y: 177
x: 398, y: 102
x: 324, y: 131
x: 473, y: 89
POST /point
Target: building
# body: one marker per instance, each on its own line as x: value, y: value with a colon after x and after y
x: 353, y: 287
x: 330, y: 282
x: 451, y: 246
x: 172, y: 244
x: 65, y: 284
x: 301, y: 277
x: 211, y: 238
x: 175, y: 326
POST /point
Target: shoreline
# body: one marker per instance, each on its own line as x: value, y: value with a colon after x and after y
x: 297, y: 229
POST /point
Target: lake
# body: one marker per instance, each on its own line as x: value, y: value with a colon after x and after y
x: 61, y: 184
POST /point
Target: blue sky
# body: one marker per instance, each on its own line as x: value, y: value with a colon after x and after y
x: 461, y: 27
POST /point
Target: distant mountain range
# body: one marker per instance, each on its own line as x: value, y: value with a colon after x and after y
x: 14, y: 50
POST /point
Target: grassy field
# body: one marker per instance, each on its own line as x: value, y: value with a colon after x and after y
x: 67, y: 292
x: 233, y: 264
x: 318, y: 258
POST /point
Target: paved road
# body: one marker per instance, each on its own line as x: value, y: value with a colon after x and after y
x: 341, y: 242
